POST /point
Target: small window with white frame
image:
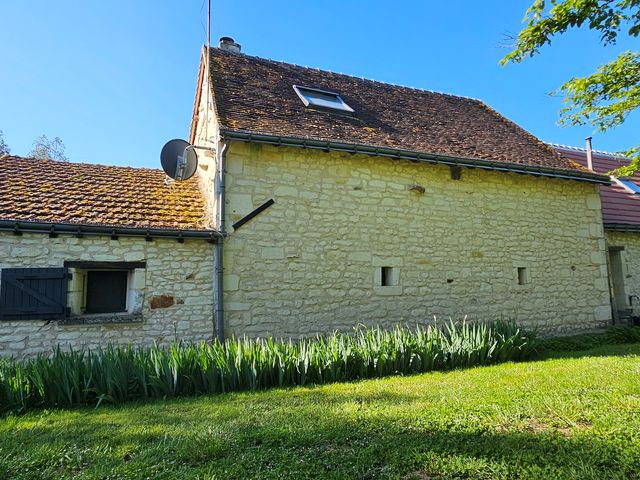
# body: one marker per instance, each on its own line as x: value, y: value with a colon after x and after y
x: 99, y: 288
x: 322, y: 99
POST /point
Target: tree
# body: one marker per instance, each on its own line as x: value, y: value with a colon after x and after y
x: 45, y: 149
x: 605, y: 98
x: 4, y: 148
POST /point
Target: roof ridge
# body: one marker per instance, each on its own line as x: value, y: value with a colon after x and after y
x: 33, y: 159
x: 582, y: 149
x: 318, y: 69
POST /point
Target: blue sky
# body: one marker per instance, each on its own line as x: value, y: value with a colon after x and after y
x: 116, y: 79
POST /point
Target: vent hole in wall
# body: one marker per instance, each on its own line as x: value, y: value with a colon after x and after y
x: 388, y: 276
x: 523, y: 277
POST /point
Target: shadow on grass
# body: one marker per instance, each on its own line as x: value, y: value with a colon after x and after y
x: 617, y: 350
x: 307, y: 435
x: 365, y: 450
x: 606, y: 341
x: 326, y: 432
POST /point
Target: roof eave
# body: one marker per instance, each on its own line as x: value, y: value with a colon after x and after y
x: 18, y: 227
x: 622, y: 227
x: 196, y: 101
x: 327, y: 145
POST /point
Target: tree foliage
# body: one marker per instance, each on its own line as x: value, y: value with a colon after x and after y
x: 4, y: 148
x: 45, y: 149
x: 605, y: 98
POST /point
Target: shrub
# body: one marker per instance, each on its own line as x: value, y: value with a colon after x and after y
x: 119, y: 374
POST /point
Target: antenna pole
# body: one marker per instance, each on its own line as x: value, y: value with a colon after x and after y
x: 206, y: 73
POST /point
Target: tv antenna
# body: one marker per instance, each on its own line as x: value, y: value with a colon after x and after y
x: 178, y: 157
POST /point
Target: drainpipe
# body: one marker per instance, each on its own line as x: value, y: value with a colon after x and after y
x: 589, y: 150
x: 219, y: 267
x: 614, y: 309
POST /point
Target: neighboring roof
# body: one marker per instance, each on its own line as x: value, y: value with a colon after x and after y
x: 619, y: 206
x: 88, y: 194
x: 255, y: 95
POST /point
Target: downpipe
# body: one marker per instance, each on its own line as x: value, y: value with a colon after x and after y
x: 219, y: 251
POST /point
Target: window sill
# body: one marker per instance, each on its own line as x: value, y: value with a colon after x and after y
x: 103, y: 318
x: 389, y: 290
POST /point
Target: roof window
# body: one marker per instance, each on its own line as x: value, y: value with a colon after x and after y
x: 322, y: 99
x: 629, y: 185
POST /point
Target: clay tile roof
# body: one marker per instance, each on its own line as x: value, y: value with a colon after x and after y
x: 619, y: 206
x: 89, y: 194
x: 256, y: 95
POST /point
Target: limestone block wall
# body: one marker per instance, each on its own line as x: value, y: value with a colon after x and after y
x: 488, y: 246
x: 176, y: 291
x: 207, y: 134
x: 631, y: 261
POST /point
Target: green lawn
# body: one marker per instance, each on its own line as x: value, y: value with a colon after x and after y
x: 572, y: 417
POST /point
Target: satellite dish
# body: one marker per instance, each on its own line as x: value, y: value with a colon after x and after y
x: 178, y: 160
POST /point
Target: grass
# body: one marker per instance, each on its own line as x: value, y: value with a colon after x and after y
x: 570, y: 417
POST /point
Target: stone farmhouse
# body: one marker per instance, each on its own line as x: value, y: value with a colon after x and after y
x: 325, y: 201
x: 92, y: 254
x: 621, y: 218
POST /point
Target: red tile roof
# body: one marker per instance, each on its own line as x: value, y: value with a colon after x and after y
x: 619, y: 206
x: 256, y: 95
x: 89, y: 194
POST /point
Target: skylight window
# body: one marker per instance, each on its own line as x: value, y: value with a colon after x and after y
x: 629, y: 185
x: 321, y: 99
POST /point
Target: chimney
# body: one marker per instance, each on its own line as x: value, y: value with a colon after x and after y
x: 228, y: 44
x: 589, y: 159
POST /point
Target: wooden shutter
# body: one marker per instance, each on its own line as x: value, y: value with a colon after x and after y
x: 33, y: 293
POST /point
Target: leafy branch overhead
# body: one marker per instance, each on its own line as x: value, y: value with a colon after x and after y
x: 605, y: 98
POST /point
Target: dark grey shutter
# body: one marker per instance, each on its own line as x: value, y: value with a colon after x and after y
x: 33, y: 293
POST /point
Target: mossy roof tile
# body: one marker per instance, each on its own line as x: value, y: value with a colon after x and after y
x: 256, y: 95
x: 90, y: 194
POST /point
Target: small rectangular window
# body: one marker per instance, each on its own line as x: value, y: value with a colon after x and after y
x: 106, y: 291
x: 105, y: 287
x: 523, y: 277
x: 322, y: 99
x: 388, y: 276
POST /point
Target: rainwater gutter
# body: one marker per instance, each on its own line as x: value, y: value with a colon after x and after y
x: 412, y: 155
x: 81, y: 230
x: 622, y: 227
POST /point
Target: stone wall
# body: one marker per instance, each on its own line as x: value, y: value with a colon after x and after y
x: 176, y: 290
x: 312, y: 262
x: 207, y: 134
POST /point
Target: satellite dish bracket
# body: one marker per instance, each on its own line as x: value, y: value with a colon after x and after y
x: 182, y: 160
x: 179, y: 160
x: 198, y: 147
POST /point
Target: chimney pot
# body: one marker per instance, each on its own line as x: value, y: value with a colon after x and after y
x: 589, y: 154
x: 229, y: 44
